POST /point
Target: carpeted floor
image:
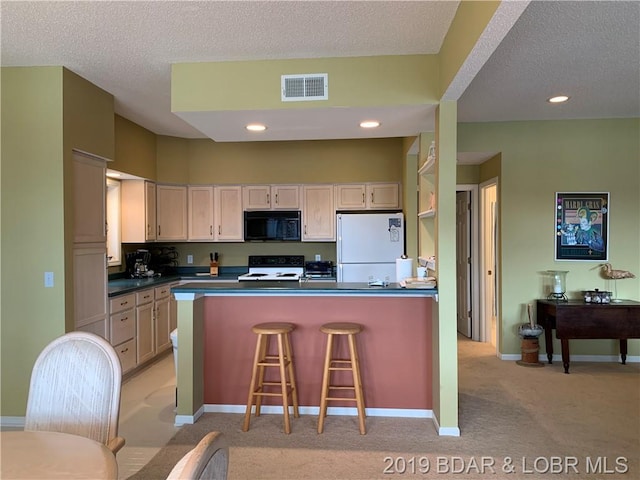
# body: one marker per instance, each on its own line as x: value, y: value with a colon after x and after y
x: 516, y: 422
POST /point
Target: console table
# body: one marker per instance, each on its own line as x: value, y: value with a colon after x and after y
x: 575, y: 319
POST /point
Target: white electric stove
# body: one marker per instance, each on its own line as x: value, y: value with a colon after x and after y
x: 274, y: 268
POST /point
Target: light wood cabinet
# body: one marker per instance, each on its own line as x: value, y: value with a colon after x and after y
x: 351, y: 197
x: 228, y: 214
x: 89, y: 203
x: 271, y: 197
x: 171, y: 212
x: 90, y: 284
x: 90, y: 307
x: 122, y: 325
x: 383, y: 195
x: 100, y: 328
x: 145, y: 341
x: 367, y: 196
x: 200, y: 212
x: 138, y: 211
x: 318, y: 213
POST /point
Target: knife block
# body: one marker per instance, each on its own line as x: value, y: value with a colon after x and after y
x: 213, y: 269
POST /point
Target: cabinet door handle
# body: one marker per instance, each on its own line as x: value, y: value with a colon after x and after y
x: 276, y: 198
x: 363, y: 198
x: 210, y: 229
x: 124, y: 351
x: 158, y: 230
x: 219, y: 230
x: 371, y: 197
x: 124, y: 319
x: 268, y: 199
x: 122, y: 304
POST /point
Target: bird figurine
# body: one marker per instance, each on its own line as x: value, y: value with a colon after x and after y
x: 609, y: 272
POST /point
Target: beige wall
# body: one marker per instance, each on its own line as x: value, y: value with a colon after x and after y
x: 537, y: 160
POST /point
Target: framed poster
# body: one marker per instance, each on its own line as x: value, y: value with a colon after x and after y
x: 582, y: 226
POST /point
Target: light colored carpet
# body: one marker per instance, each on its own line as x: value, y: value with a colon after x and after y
x: 516, y: 422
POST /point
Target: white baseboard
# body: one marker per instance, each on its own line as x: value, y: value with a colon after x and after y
x: 557, y: 357
x: 311, y: 410
x: 188, y: 419
x: 445, y: 431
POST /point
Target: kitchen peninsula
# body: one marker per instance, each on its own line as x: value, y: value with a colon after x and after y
x: 216, y: 344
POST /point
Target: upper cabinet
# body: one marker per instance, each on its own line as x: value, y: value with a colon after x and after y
x: 271, y: 197
x: 368, y: 196
x: 89, y: 185
x: 383, y: 195
x: 171, y: 212
x: 227, y: 207
x: 318, y: 214
x: 200, y: 212
x: 138, y: 211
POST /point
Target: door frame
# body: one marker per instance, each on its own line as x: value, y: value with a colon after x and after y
x: 474, y: 278
x: 485, y: 323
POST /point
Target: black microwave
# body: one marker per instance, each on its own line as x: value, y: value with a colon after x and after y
x: 283, y: 225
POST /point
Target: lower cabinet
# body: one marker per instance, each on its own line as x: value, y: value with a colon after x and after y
x: 122, y: 327
x: 140, y: 325
x: 145, y: 342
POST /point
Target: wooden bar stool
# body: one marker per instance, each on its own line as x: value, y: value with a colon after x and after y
x: 283, y: 361
x: 332, y: 364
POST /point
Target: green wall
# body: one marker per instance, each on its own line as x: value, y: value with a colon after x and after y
x: 537, y: 160
x: 203, y: 161
x: 135, y: 149
x: 32, y: 224
x: 46, y: 111
x: 319, y: 161
x: 353, y: 81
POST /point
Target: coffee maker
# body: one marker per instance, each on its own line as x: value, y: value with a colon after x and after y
x: 138, y: 263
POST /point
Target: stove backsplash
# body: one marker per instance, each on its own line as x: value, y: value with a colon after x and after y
x: 231, y: 254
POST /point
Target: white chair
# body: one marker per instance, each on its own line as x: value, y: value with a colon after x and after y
x: 75, y: 388
x: 208, y: 460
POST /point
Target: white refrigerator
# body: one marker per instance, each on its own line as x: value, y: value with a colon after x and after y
x: 368, y: 246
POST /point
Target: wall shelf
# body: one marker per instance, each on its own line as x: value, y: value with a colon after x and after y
x: 428, y: 167
x: 427, y: 214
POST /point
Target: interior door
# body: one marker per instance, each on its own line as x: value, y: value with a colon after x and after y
x: 489, y: 274
x: 463, y: 262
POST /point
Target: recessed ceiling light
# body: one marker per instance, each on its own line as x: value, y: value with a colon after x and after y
x: 113, y: 174
x: 558, y: 99
x: 369, y: 124
x: 256, y: 127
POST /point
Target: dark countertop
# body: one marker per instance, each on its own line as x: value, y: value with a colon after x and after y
x: 299, y: 288
x: 121, y: 286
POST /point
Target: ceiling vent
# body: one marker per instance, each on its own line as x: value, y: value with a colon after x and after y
x: 303, y: 88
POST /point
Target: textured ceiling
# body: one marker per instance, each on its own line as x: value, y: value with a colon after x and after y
x: 588, y: 50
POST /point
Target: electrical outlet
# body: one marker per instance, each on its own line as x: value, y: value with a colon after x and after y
x: 189, y: 259
x: 48, y: 279
x: 318, y: 257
